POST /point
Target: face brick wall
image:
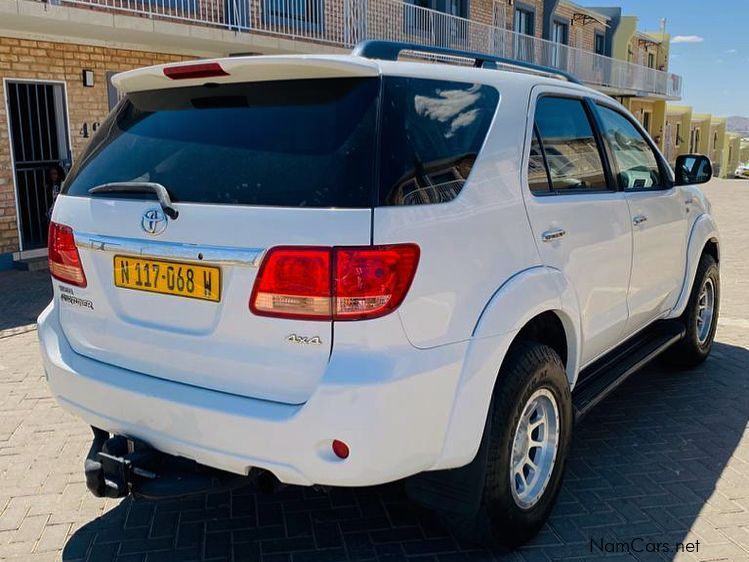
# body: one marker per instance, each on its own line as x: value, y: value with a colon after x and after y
x: 41, y: 60
x: 581, y: 34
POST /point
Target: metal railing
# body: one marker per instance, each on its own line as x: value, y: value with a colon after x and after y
x: 346, y: 22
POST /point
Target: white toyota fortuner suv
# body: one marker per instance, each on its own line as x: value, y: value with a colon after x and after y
x: 348, y: 270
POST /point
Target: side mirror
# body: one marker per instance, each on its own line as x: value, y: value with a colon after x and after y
x: 693, y: 169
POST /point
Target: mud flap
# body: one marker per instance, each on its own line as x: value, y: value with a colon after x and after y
x: 458, y: 490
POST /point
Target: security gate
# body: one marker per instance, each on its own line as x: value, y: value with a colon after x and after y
x: 40, y: 151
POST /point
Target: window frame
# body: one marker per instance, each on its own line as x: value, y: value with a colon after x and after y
x: 530, y: 11
x: 600, y: 144
x: 666, y: 182
x: 288, y: 19
x: 602, y: 36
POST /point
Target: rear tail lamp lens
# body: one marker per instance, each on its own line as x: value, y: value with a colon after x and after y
x: 64, y: 260
x: 343, y: 283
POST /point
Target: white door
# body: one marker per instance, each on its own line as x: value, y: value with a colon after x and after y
x: 581, y: 223
x: 659, y: 221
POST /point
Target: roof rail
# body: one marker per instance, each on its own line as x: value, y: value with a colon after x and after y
x: 389, y: 50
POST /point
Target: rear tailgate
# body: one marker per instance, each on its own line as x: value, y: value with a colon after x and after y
x: 249, y: 166
x: 219, y: 345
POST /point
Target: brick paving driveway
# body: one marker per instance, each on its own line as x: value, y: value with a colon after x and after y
x: 665, y: 459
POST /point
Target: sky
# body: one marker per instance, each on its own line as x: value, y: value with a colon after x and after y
x: 709, y: 48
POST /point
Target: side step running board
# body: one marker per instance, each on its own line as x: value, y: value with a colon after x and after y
x: 605, y: 375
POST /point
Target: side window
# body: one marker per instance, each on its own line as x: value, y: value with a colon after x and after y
x: 538, y: 176
x: 634, y: 159
x: 432, y: 132
x: 572, y: 156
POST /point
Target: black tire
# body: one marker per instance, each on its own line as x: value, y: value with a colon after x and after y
x: 690, y: 351
x: 529, y: 367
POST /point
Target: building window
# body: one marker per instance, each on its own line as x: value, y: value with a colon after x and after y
x: 600, y: 44
x: 419, y: 19
x: 525, y: 29
x: 678, y: 134
x: 560, y: 36
x: 651, y: 60
x: 646, y: 118
x: 299, y: 14
x: 560, y: 32
x: 715, y: 140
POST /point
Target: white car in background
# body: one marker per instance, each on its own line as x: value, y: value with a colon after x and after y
x: 742, y: 171
x: 347, y: 270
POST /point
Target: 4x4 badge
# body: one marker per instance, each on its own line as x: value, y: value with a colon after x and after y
x: 304, y: 340
x: 154, y: 221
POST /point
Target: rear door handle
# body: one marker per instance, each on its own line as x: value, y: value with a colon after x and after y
x: 639, y: 219
x: 554, y: 234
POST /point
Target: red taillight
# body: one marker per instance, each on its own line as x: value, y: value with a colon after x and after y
x: 64, y: 260
x: 197, y: 70
x: 371, y: 282
x: 294, y: 283
x: 353, y: 283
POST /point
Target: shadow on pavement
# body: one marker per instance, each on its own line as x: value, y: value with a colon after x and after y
x: 25, y: 294
x: 643, y: 469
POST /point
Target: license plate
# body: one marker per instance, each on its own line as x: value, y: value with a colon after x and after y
x: 168, y: 277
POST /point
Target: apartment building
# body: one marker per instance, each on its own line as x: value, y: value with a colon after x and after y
x: 731, y: 154
x: 688, y: 132
x: 57, y: 58
x: 678, y: 128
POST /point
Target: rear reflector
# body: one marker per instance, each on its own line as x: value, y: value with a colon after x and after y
x: 64, y: 260
x: 342, y: 283
x: 198, y: 70
x: 340, y: 449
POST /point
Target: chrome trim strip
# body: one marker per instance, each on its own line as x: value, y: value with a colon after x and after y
x: 222, y: 255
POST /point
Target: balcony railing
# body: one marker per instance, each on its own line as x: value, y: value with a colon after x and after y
x: 346, y: 22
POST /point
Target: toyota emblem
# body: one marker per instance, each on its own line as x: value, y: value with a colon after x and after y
x: 154, y: 221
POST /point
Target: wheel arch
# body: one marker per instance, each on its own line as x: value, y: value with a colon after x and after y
x: 703, y: 238
x: 537, y: 304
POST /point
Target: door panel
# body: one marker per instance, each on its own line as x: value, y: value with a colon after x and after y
x: 594, y: 254
x: 659, y: 220
x: 659, y: 252
x: 582, y: 228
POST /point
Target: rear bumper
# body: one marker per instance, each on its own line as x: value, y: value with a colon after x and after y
x: 395, y: 424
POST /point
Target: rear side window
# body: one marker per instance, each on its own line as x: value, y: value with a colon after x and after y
x: 568, y: 146
x: 432, y: 132
x: 276, y: 143
x: 295, y: 143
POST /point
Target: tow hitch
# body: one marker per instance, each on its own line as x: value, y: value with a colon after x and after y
x: 117, y: 466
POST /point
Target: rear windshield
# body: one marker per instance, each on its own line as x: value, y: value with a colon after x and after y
x: 295, y: 143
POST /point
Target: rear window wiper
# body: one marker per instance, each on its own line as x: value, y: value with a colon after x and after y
x: 140, y: 187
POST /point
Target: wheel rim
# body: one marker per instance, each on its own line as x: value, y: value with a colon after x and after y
x: 534, y: 448
x: 705, y: 311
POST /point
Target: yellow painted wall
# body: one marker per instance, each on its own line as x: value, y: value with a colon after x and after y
x: 624, y: 32
x: 733, y: 152
x: 744, y: 153
x: 701, y: 123
x: 681, y: 115
x: 717, y: 145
